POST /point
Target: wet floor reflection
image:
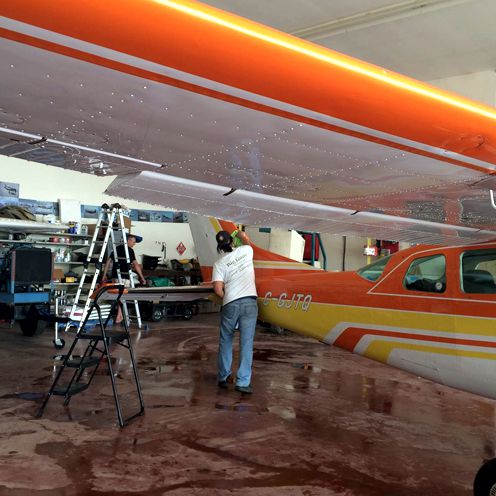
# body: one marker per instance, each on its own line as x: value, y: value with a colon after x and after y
x: 320, y: 422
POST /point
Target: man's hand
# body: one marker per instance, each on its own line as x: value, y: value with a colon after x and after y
x: 243, y: 237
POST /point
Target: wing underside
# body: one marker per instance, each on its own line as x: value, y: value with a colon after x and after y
x: 379, y: 157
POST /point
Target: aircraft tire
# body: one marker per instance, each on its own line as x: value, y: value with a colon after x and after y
x: 485, y: 480
x: 187, y: 313
x: 157, y: 314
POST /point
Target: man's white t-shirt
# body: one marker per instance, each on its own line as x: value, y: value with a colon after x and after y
x: 235, y: 270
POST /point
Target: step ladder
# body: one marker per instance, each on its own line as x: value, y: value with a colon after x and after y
x: 95, y: 346
x: 110, y: 221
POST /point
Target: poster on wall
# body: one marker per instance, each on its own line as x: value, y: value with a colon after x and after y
x: 90, y: 211
x: 93, y: 211
x: 40, y: 207
x: 9, y: 190
x: 155, y: 216
x: 144, y: 215
x: 4, y: 201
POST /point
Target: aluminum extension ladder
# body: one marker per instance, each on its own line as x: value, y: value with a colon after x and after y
x: 110, y: 221
x: 94, y: 348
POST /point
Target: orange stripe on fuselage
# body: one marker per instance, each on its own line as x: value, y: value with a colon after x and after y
x: 325, y: 82
x: 351, y: 336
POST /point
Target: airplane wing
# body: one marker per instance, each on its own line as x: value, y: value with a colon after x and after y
x: 204, y: 111
x: 165, y: 293
x: 29, y: 226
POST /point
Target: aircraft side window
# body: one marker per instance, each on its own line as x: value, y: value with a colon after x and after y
x: 427, y: 274
x: 373, y: 271
x: 478, y: 271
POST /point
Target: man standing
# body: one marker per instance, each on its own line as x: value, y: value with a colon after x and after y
x: 124, y: 268
x: 234, y: 281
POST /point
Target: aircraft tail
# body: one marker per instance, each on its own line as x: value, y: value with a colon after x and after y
x: 267, y: 264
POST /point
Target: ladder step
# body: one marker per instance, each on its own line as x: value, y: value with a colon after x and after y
x: 76, y: 388
x: 84, y: 363
x: 113, y: 336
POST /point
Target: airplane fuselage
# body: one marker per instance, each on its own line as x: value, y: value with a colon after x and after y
x: 445, y: 332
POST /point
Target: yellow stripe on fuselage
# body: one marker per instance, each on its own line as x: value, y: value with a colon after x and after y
x: 215, y: 224
x: 321, y: 318
x: 380, y: 350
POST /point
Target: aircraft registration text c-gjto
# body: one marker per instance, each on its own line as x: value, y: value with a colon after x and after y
x: 298, y: 300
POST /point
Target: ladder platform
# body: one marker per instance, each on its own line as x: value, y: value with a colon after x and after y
x: 112, y: 336
x: 84, y: 363
x: 77, y: 387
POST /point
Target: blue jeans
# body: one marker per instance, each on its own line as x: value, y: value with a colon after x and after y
x: 244, y: 313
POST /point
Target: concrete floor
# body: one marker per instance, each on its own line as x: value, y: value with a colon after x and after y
x: 320, y: 422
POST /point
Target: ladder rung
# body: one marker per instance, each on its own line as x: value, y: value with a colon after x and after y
x: 114, y: 336
x: 76, y: 388
x: 83, y: 363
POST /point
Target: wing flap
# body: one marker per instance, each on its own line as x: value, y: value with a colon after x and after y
x: 263, y: 210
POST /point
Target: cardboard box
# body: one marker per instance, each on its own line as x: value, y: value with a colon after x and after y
x: 58, y: 275
x: 127, y: 225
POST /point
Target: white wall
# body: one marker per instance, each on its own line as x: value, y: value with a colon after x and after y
x: 48, y: 183
x: 333, y: 245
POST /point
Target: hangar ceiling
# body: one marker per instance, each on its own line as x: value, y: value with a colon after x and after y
x: 424, y: 39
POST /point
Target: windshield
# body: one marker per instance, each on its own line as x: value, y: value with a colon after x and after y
x: 373, y: 271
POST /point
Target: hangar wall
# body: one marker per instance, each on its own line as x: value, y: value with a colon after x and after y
x: 43, y: 182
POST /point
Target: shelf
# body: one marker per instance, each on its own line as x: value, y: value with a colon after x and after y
x: 65, y: 283
x: 35, y: 242
x: 15, y: 241
x: 69, y: 263
x: 63, y: 234
x: 79, y: 245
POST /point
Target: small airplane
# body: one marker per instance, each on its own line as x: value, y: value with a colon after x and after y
x: 8, y: 225
x: 428, y: 310
x: 269, y: 130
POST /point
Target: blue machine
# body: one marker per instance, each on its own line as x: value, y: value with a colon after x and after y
x: 23, y: 272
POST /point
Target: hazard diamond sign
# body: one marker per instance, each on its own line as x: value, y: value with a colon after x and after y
x: 180, y: 248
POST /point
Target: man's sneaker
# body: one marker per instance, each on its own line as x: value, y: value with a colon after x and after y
x: 225, y: 383
x: 244, y: 389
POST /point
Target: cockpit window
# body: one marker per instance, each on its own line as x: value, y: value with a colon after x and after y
x: 478, y: 270
x: 427, y: 274
x: 373, y: 271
